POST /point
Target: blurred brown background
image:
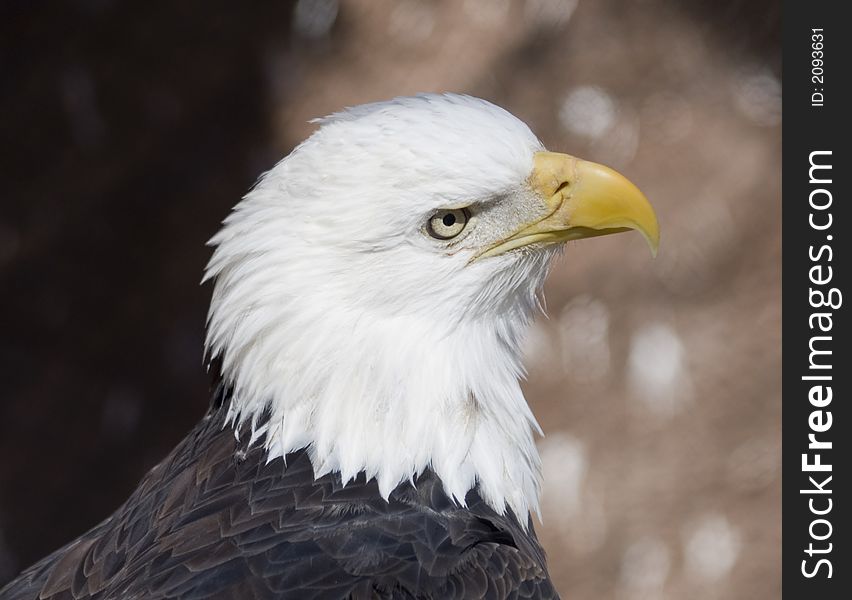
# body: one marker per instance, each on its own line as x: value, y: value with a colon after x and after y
x: 130, y: 130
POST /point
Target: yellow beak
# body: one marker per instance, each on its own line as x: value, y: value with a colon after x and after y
x: 582, y: 199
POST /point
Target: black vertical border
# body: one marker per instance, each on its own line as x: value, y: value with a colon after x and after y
x: 808, y: 128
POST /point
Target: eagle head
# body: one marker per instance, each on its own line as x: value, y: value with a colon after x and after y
x: 372, y: 291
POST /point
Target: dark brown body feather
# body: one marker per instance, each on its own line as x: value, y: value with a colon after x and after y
x: 214, y: 520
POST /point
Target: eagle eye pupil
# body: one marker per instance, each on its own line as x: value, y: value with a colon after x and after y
x: 449, y: 220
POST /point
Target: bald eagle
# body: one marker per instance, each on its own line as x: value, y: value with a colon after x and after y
x: 367, y: 435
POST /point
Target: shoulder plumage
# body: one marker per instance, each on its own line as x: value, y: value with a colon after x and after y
x: 217, y: 520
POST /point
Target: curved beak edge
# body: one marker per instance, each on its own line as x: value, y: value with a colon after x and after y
x: 583, y: 199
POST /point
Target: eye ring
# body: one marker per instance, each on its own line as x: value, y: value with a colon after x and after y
x: 447, y: 223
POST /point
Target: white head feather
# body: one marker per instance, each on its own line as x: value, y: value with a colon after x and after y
x: 378, y: 347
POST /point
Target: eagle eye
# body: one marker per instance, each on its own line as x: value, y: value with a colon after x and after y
x: 448, y: 223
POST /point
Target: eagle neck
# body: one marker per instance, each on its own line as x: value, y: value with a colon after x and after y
x: 394, y: 396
